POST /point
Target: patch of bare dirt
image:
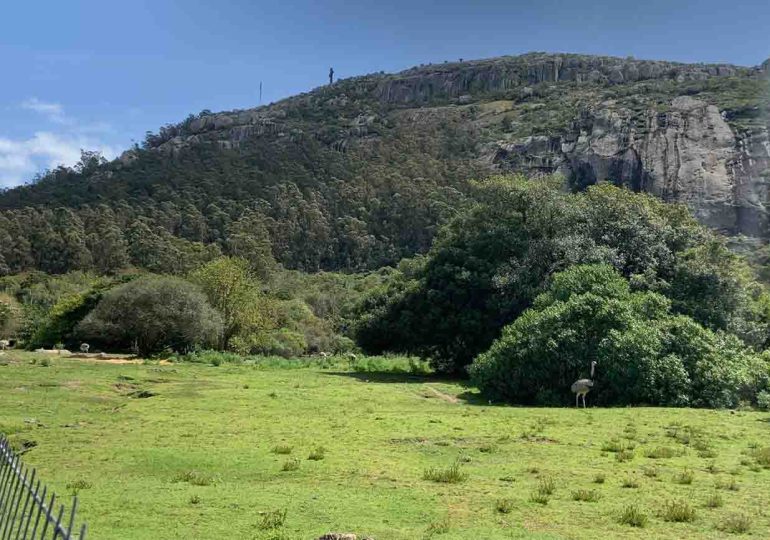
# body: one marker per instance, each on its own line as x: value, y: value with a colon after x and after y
x: 433, y: 392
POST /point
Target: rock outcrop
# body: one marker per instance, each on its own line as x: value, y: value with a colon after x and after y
x: 687, y: 154
x: 484, y: 76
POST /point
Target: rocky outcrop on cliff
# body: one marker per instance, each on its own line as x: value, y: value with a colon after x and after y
x: 423, y: 84
x: 688, y: 154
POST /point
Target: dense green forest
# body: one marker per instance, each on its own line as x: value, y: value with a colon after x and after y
x: 522, y: 289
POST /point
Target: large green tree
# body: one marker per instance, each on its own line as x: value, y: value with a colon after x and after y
x: 150, y: 314
x: 490, y: 262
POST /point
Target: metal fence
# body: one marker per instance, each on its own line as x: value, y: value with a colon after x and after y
x: 27, y: 509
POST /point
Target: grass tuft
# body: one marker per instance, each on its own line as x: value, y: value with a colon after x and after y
x: 438, y: 527
x: 504, y: 506
x: 318, y: 453
x: 75, y: 486
x: 600, y: 478
x: 273, y: 519
x: 546, y: 485
x: 630, y: 482
x: 729, y: 484
x: 678, y: 511
x: 714, y: 500
x: 624, y: 455
x: 450, y: 475
x: 661, y: 452
x: 586, y: 495
x: 282, y: 449
x: 633, y: 516
x: 735, y: 524
x: 195, y: 478
x: 685, y: 477
x: 290, y: 465
x: 762, y: 457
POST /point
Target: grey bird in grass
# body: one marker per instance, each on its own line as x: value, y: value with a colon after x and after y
x: 582, y: 386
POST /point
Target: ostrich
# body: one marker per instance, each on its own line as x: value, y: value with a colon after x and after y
x: 582, y: 386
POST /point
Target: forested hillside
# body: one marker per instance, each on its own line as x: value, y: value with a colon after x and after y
x: 362, y: 173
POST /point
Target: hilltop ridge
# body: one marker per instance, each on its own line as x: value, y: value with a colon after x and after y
x: 361, y: 173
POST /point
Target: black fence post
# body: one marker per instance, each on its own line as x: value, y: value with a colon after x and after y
x: 22, y: 505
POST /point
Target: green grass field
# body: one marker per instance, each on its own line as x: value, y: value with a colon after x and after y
x: 197, y: 451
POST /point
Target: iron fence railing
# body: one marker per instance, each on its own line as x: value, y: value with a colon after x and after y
x: 27, y: 508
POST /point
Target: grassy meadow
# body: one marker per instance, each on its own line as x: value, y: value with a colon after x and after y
x: 278, y: 451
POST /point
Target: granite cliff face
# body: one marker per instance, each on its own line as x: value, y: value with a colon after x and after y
x: 688, y: 154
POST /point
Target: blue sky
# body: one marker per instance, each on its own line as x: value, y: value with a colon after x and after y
x: 97, y: 75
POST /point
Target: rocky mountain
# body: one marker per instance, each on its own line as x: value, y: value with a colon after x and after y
x: 359, y: 173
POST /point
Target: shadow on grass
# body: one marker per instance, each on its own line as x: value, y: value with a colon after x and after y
x: 389, y: 377
x: 469, y: 396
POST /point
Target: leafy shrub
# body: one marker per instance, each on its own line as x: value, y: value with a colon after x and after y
x: 151, y: 314
x: 763, y: 400
x: 645, y: 354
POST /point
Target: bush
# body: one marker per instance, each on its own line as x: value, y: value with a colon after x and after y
x: 644, y: 354
x: 763, y: 400
x: 152, y: 314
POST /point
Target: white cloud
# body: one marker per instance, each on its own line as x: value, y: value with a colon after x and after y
x: 52, y: 111
x: 21, y: 159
